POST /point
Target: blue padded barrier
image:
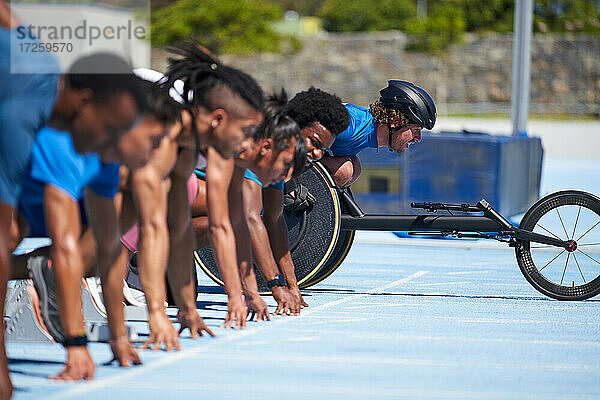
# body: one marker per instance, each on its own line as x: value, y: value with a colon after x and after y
x: 452, y: 167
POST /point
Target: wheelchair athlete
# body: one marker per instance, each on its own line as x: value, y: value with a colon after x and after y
x: 395, y: 121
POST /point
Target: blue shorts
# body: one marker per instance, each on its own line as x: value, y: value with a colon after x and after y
x: 26, y: 102
x: 201, y: 173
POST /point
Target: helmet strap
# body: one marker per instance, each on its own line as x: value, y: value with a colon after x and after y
x: 389, y: 137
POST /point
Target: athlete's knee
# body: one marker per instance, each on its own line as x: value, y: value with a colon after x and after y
x: 356, y: 169
x: 347, y: 172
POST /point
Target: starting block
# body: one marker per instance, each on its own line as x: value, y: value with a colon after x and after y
x: 20, y: 318
x: 24, y: 326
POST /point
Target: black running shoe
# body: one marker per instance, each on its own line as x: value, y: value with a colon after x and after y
x: 42, y: 274
x: 133, y: 276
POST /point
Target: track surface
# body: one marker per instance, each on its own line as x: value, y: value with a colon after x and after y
x: 402, y: 318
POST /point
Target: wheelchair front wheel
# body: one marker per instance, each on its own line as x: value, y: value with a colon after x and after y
x: 555, y: 271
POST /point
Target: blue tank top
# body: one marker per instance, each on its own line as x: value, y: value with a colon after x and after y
x: 252, y: 176
x: 55, y: 162
x: 201, y: 173
x: 360, y: 134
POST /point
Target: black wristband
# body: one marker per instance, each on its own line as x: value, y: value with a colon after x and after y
x: 278, y: 281
x: 75, y: 341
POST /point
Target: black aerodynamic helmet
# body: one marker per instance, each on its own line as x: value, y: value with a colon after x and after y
x: 415, y: 103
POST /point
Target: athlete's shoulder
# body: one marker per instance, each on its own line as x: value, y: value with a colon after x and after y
x: 358, y: 116
x: 50, y: 140
x: 47, y: 132
x: 355, y: 107
x: 358, y: 112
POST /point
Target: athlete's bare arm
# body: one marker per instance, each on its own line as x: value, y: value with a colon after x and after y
x: 181, y: 262
x: 112, y: 263
x: 345, y: 170
x: 277, y: 229
x: 219, y: 172
x: 64, y: 228
x: 256, y: 305
x: 263, y: 255
x: 150, y: 190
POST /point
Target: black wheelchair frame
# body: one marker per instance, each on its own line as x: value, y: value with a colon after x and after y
x: 321, y: 235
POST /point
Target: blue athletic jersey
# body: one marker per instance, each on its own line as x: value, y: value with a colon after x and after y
x: 28, y: 86
x: 252, y: 176
x: 201, y: 173
x: 360, y: 134
x: 55, y: 162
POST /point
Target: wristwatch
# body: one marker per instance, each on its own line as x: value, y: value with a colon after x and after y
x: 277, y: 281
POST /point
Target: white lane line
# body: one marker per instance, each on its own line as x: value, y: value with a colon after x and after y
x: 79, y: 389
x: 467, y: 272
x: 461, y: 339
x: 372, y: 391
x: 353, y: 362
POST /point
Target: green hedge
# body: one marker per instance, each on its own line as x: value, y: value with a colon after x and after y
x: 224, y: 26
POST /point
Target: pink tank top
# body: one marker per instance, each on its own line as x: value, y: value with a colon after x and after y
x: 130, y: 239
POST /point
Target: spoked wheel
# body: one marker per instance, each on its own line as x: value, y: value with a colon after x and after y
x: 312, y: 233
x: 562, y: 274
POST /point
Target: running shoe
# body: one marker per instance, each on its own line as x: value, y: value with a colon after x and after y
x: 42, y: 274
x: 35, y: 304
x: 132, y: 288
x: 94, y: 287
x: 133, y: 297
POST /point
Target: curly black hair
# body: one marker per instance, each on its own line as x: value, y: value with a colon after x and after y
x: 315, y: 105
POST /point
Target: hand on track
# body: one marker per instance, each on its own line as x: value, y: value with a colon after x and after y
x: 124, y: 352
x: 194, y: 322
x: 161, y: 331
x: 236, y: 314
x: 287, y: 304
x: 295, y: 290
x: 257, y: 307
x: 79, y: 365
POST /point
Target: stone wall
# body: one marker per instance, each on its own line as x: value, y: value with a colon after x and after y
x: 471, y: 77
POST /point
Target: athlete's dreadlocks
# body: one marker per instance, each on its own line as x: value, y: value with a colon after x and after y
x: 160, y: 104
x: 282, y: 128
x: 201, y: 71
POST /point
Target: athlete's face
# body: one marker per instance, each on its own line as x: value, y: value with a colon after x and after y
x: 229, y: 132
x: 96, y: 125
x: 404, y: 137
x: 270, y: 166
x: 136, y: 147
x: 318, y: 139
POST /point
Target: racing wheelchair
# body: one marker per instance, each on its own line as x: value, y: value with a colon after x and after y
x: 554, y: 243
